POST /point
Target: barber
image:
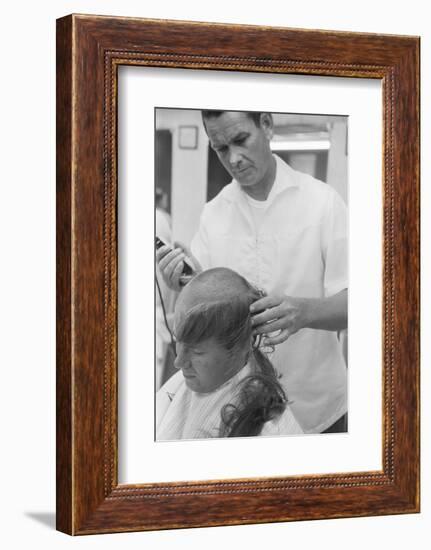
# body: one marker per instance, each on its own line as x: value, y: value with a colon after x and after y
x: 286, y: 232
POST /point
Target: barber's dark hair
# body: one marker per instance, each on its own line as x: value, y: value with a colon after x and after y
x: 259, y: 397
x: 254, y: 115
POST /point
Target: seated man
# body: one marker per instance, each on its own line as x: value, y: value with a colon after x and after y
x: 226, y: 387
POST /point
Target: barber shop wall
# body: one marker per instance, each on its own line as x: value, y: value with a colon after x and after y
x: 337, y: 159
x: 27, y: 300
x: 189, y: 170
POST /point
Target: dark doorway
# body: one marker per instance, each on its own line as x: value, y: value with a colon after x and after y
x: 218, y: 177
x: 163, y: 169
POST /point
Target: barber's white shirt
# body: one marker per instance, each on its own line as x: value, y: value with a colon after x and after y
x: 257, y: 211
x: 184, y: 414
x: 300, y: 248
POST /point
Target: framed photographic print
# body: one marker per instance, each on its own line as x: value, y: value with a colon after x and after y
x: 237, y: 274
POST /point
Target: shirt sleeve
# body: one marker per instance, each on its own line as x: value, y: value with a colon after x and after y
x: 334, y: 245
x: 200, y: 243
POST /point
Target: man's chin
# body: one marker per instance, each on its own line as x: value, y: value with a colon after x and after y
x: 245, y: 179
x: 192, y: 383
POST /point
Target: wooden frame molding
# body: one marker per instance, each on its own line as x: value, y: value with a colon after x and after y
x: 89, y: 51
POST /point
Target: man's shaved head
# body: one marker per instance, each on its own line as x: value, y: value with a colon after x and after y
x: 213, y: 328
x: 213, y: 286
x: 215, y: 304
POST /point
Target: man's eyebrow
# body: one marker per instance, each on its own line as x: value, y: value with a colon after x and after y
x: 217, y: 146
x: 242, y: 134
x: 238, y: 134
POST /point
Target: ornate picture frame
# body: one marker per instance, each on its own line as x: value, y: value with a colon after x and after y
x: 89, y: 51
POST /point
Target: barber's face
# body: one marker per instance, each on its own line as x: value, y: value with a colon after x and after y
x: 206, y: 365
x: 242, y: 147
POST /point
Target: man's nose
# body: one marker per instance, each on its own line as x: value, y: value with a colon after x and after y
x: 235, y: 158
x: 181, y: 360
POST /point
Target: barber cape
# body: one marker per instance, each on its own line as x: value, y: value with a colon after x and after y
x: 184, y: 414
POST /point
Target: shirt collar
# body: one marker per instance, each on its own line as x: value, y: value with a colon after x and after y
x: 284, y: 179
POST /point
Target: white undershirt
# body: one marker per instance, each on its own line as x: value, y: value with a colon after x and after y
x: 257, y: 209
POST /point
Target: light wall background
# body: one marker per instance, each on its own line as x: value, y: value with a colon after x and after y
x: 189, y: 172
x: 27, y: 289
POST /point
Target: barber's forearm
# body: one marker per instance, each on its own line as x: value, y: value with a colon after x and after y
x: 326, y: 313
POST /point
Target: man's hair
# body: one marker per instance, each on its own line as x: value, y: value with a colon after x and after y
x: 260, y: 397
x: 254, y: 115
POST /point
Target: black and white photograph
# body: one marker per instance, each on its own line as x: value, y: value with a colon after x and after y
x: 181, y: 365
x: 251, y: 273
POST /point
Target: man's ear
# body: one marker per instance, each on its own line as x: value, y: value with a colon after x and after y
x: 267, y: 125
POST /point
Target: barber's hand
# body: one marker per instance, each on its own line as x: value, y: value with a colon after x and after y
x: 277, y: 312
x: 171, y: 264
